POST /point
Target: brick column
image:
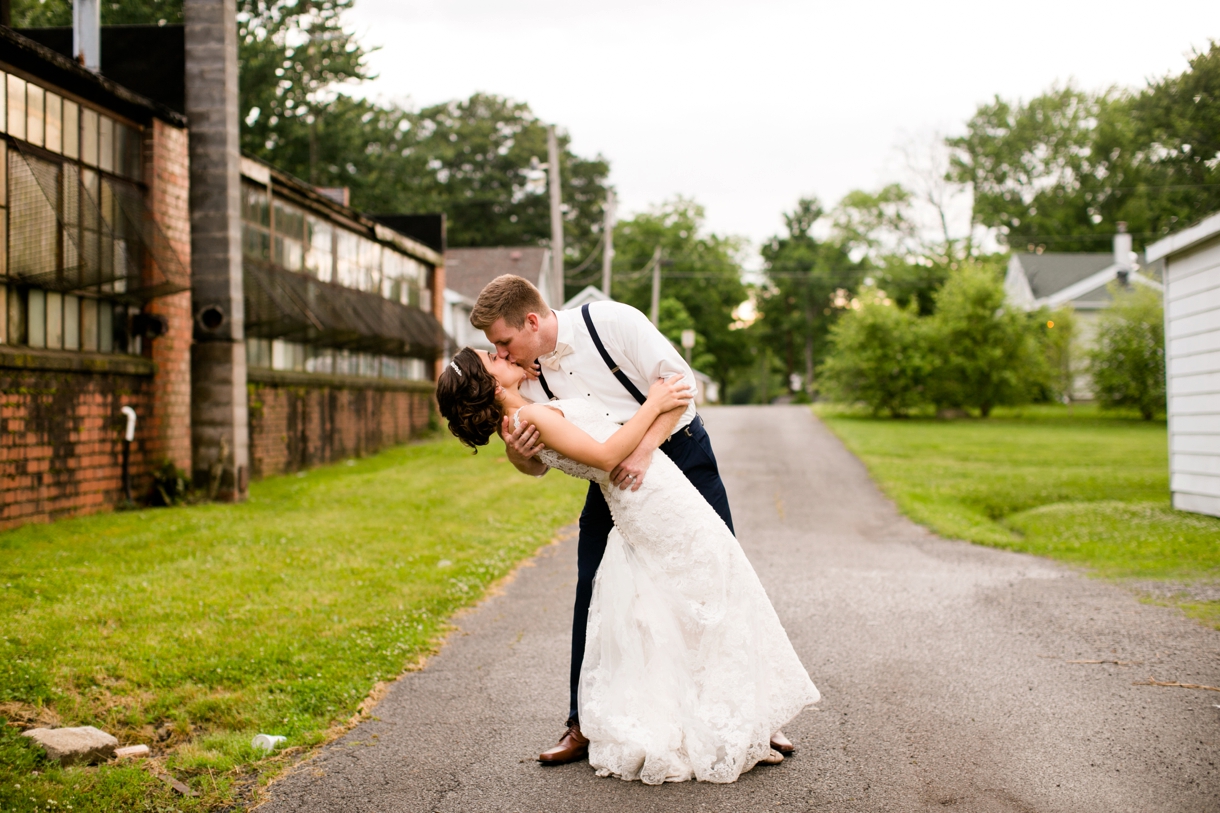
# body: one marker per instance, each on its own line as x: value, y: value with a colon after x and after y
x: 219, y: 413
x: 438, y: 310
x: 169, y: 188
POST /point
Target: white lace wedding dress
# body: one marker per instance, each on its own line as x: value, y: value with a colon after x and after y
x: 687, y: 669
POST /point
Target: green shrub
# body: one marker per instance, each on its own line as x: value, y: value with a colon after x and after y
x: 1128, y: 360
x: 985, y: 353
x: 878, y: 356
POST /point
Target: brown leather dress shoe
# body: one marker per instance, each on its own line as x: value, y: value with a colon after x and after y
x: 572, y: 746
x: 781, y: 743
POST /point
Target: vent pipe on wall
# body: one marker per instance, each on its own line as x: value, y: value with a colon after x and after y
x: 87, y: 33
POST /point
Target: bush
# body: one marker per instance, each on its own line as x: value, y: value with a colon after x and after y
x: 878, y: 355
x: 1059, y: 343
x: 1127, y: 362
x: 986, y: 354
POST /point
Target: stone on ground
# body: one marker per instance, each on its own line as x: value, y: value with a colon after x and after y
x: 69, y: 746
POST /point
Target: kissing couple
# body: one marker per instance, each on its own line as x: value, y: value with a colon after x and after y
x: 680, y: 667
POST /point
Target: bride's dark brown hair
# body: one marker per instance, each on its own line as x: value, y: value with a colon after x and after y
x: 467, y: 399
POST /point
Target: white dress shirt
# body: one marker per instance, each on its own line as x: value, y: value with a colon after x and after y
x: 634, y: 344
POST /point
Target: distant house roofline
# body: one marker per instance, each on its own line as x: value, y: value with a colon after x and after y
x: 1188, y: 238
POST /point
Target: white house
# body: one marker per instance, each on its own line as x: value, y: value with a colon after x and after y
x: 1192, y: 363
x: 1081, y: 281
x: 589, y: 294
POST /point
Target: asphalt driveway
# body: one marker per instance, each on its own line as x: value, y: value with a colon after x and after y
x: 953, y: 676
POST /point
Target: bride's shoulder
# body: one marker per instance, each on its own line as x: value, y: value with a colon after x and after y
x: 529, y: 411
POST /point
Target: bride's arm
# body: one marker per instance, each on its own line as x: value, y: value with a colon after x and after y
x: 570, y: 441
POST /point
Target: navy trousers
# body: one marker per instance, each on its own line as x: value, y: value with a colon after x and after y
x: 691, y: 450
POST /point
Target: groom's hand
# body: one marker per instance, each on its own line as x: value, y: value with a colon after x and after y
x: 522, y: 446
x: 532, y: 371
x: 630, y: 473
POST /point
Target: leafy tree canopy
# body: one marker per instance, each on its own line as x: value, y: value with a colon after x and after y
x: 1060, y: 170
x: 700, y: 272
x: 1128, y: 361
x: 58, y: 13
x: 797, y: 304
x: 480, y: 160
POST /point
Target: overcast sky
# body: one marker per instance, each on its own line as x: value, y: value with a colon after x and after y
x: 747, y: 106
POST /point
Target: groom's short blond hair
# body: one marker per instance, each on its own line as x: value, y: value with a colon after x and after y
x: 510, y: 298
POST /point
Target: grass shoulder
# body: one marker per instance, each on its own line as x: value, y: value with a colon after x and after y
x: 192, y: 628
x: 1073, y: 484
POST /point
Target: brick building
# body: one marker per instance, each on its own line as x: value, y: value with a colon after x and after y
x: 94, y: 281
x: 255, y: 325
x: 341, y: 337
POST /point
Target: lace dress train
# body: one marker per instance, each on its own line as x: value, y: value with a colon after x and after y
x: 687, y: 669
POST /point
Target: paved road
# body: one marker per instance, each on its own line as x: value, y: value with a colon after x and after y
x: 945, y: 672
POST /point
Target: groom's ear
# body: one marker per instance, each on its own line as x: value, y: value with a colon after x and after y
x: 533, y: 320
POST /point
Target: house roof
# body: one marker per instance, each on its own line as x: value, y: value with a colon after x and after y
x: 590, y: 293
x: 1187, y: 238
x: 1051, y: 272
x: 467, y: 270
x: 36, y: 59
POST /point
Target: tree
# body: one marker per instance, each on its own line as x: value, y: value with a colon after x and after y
x: 673, y: 318
x: 1060, y: 170
x: 1035, y: 172
x: 1176, y: 126
x: 58, y: 13
x: 481, y: 162
x: 478, y: 160
x: 701, y: 273
x: 879, y: 356
x: 796, y: 305
x: 1059, y: 343
x: 1127, y: 362
x: 293, y: 54
x: 985, y: 354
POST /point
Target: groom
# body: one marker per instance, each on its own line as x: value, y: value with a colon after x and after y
x: 608, y: 354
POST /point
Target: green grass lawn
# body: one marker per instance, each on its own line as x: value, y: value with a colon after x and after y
x: 191, y: 629
x: 1069, y: 483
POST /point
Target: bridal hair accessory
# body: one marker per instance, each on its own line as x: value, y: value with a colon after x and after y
x: 455, y: 369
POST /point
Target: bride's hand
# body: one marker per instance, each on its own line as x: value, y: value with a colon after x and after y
x: 670, y: 393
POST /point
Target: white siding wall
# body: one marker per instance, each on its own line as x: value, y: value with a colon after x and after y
x: 1192, y: 345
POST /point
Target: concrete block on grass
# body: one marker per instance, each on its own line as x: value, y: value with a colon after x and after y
x: 70, y: 746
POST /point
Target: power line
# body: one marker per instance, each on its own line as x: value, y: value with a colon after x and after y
x: 572, y: 272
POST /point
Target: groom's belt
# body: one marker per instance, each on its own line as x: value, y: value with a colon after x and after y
x: 691, y: 430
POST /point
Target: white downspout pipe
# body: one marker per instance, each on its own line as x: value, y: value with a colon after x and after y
x: 128, y: 437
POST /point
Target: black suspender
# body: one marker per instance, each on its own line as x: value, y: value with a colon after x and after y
x: 614, y: 368
x: 601, y: 348
x: 542, y: 380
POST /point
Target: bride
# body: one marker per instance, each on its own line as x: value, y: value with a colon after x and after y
x: 687, y: 669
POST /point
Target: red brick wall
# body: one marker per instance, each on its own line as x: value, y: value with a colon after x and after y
x: 295, y: 426
x: 168, y: 175
x: 61, y: 443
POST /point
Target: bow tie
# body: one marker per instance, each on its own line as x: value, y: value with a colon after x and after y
x: 551, y: 360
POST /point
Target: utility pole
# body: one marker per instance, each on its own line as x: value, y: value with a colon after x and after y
x: 608, y: 252
x: 552, y: 149
x: 655, y: 312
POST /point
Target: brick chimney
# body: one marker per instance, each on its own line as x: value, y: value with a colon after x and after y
x: 1122, y: 253
x: 87, y: 33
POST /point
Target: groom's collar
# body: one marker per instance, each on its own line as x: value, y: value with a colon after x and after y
x: 563, y: 337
